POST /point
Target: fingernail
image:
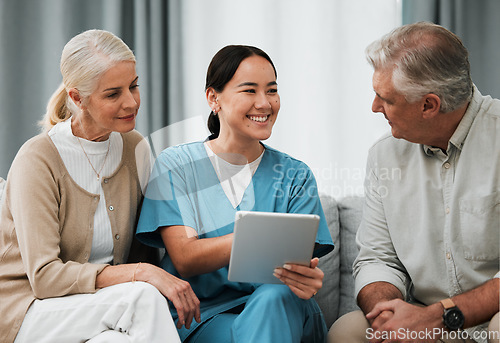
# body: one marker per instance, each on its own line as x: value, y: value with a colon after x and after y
x: 287, y: 266
x: 277, y: 271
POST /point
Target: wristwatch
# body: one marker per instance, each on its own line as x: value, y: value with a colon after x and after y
x: 453, y: 318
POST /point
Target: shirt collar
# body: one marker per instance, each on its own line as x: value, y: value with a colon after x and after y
x: 458, y: 137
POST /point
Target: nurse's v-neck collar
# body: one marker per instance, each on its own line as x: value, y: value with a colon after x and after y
x: 232, y: 182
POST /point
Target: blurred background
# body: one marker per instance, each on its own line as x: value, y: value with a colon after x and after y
x: 317, y: 47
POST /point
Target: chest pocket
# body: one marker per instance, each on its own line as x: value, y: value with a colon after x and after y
x: 480, y: 227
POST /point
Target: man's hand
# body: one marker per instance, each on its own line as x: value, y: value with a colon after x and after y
x: 399, y: 321
x: 375, y: 293
x: 379, y: 320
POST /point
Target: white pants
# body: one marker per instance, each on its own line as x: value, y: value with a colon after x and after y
x: 128, y: 312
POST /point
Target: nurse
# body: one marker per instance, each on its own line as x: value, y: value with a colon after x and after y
x: 196, y: 189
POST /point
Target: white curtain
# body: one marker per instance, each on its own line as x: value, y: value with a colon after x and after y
x: 323, y: 77
x: 32, y: 36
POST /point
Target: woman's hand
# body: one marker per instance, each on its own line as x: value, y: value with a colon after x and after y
x: 304, y: 281
x: 174, y: 289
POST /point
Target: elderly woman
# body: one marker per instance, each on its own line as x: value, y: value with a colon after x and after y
x: 70, y: 210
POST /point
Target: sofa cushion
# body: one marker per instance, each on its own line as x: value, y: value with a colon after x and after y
x: 350, y: 212
x: 328, y: 296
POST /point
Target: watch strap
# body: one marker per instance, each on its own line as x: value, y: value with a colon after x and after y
x: 447, y: 303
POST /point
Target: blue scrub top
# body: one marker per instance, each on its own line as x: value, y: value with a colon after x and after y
x: 184, y: 189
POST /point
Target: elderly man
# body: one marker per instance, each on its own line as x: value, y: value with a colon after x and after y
x: 428, y: 264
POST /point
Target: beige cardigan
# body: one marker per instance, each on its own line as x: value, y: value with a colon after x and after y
x: 46, y: 227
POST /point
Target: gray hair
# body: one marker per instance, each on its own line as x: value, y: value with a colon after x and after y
x: 84, y: 59
x: 425, y: 58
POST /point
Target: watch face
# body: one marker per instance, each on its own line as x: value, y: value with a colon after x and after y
x: 454, y: 319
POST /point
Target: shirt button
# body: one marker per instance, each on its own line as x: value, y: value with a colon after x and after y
x: 448, y: 255
x: 117, y: 236
x: 447, y: 165
x: 447, y: 210
x: 111, y: 208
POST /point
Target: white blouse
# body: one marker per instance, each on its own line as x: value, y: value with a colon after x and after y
x: 80, y: 158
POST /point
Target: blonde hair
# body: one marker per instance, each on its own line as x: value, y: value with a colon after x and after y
x: 83, y: 61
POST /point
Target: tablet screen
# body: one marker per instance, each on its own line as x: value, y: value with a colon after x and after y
x: 264, y: 240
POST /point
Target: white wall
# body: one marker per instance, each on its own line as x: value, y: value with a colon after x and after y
x: 323, y: 77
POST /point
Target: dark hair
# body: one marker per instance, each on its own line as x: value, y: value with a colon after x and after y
x: 222, y: 69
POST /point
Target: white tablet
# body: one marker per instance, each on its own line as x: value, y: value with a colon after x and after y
x: 263, y: 241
